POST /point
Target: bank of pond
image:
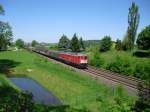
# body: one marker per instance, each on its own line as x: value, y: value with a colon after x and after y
x: 40, y: 94
x: 26, y: 95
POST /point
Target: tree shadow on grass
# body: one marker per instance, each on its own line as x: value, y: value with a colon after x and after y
x: 6, y: 65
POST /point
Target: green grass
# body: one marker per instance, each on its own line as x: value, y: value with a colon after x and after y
x: 5, y: 82
x: 133, y: 66
x: 72, y: 88
x: 112, y: 54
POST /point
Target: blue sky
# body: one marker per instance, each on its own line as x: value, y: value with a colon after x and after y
x: 47, y: 20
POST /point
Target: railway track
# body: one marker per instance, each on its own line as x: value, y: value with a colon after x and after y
x: 129, y: 82
x: 115, y: 77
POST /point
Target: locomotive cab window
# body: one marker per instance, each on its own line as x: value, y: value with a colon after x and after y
x: 82, y: 57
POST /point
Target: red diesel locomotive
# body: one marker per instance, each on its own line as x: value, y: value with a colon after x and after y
x: 76, y: 59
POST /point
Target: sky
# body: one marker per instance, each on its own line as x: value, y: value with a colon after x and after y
x: 48, y: 20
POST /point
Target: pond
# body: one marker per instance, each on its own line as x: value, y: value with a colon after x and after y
x: 40, y: 94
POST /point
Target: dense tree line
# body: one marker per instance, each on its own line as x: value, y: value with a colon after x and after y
x: 75, y: 44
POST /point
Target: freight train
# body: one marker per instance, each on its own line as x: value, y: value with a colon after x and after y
x: 78, y: 60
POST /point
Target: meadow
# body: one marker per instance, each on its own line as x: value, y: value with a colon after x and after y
x: 72, y: 88
x: 122, y: 62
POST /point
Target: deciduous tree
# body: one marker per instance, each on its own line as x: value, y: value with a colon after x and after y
x: 133, y: 22
x: 64, y: 42
x: 5, y: 33
x: 105, y: 44
x: 34, y: 43
x: 20, y: 43
x: 143, y: 40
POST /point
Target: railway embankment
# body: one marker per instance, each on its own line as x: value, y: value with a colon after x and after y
x: 107, y: 77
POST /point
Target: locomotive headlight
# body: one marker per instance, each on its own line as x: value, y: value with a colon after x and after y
x: 83, y: 61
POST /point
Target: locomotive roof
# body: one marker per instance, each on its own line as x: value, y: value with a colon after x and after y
x: 63, y: 52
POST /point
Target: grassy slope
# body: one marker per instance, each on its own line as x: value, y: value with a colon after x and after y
x: 111, y: 55
x: 5, y: 82
x: 71, y: 87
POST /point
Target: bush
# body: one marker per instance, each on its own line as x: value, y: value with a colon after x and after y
x: 96, y: 60
x: 105, y: 44
x: 141, y: 53
x: 120, y: 65
x: 118, y: 45
x: 143, y: 40
x: 119, y: 103
x: 14, y: 101
x: 143, y: 103
x: 92, y: 49
x: 142, y: 71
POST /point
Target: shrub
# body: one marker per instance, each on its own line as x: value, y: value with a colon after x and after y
x: 120, y: 65
x: 142, y: 71
x: 92, y: 49
x: 143, y: 40
x: 96, y: 60
x: 105, y: 44
x: 141, y: 53
x: 118, y: 45
x: 13, y: 101
x: 143, y: 103
x: 119, y: 103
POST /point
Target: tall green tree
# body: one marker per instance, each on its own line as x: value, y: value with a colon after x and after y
x: 5, y: 33
x: 75, y: 43
x: 81, y: 44
x: 105, y: 44
x: 143, y: 40
x: 20, y: 43
x: 64, y: 42
x: 34, y: 43
x: 133, y: 22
